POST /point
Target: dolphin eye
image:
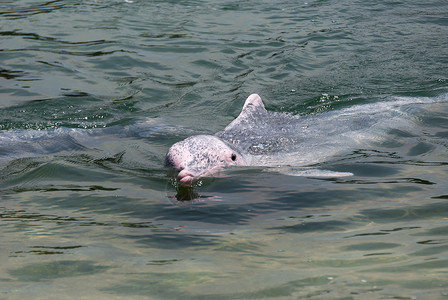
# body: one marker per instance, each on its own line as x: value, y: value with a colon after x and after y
x: 233, y: 156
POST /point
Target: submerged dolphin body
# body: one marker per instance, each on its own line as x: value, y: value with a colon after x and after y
x: 258, y: 137
x: 28, y: 143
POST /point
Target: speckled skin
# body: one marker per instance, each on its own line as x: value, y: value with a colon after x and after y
x: 199, y: 156
x: 204, y: 155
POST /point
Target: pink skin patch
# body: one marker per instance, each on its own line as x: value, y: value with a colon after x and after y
x: 185, y: 178
x: 205, y: 155
x: 200, y: 156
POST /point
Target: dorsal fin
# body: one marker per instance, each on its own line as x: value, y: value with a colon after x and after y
x: 254, y: 100
x: 253, y: 103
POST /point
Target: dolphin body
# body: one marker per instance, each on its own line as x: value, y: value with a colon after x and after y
x: 258, y: 137
x: 294, y: 145
x: 291, y: 144
x: 28, y: 143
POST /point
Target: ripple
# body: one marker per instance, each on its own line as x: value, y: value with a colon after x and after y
x: 56, y: 269
x: 35, y: 36
x: 20, y: 12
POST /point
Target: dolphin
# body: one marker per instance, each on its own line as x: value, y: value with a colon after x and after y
x: 297, y: 145
x: 257, y: 137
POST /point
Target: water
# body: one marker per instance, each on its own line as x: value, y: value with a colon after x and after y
x: 95, y: 215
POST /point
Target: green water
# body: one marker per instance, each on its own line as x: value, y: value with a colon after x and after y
x: 100, y: 219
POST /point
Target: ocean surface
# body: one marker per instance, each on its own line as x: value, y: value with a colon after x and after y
x: 94, y: 92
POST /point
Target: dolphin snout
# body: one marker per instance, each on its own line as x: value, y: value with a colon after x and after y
x: 185, y: 177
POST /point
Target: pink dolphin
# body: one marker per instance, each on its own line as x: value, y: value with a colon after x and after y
x: 204, y: 155
x: 286, y: 143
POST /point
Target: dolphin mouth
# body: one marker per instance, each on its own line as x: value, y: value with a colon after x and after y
x: 185, y: 178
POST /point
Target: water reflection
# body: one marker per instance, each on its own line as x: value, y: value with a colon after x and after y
x: 187, y: 193
x: 56, y: 269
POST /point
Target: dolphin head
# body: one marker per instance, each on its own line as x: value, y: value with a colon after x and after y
x: 200, y: 156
